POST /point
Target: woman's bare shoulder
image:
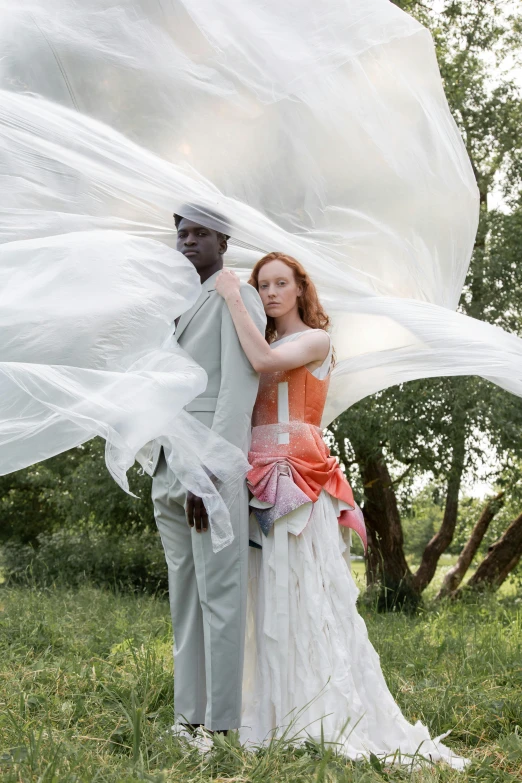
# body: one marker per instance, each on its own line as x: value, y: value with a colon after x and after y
x: 317, y: 337
x: 316, y: 341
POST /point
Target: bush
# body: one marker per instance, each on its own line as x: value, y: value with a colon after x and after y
x: 421, y: 520
x: 134, y: 561
x: 75, y: 491
x: 27, y: 506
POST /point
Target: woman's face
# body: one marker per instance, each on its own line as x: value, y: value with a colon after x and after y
x: 278, y: 288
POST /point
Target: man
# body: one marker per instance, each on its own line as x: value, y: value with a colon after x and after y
x: 208, y: 590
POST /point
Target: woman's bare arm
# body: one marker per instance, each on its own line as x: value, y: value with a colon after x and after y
x: 310, y: 347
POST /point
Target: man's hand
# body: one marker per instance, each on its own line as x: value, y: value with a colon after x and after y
x: 196, y: 513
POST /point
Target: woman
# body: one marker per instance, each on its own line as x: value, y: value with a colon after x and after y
x: 310, y: 668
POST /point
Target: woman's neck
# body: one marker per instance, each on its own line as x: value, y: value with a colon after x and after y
x: 287, y: 324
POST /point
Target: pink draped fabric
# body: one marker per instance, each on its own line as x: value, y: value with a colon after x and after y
x: 288, y: 475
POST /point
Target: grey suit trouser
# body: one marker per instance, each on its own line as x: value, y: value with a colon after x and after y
x: 208, y: 606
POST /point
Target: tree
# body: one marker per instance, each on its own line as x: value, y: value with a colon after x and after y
x: 389, y: 429
x: 421, y: 428
x: 455, y: 575
x: 502, y: 558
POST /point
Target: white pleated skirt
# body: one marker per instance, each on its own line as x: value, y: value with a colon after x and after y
x: 310, y: 669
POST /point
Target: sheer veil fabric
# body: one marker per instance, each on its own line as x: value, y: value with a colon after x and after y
x: 320, y: 129
x: 86, y: 351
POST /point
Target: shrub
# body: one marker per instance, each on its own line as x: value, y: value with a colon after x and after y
x: 134, y: 561
x: 75, y: 491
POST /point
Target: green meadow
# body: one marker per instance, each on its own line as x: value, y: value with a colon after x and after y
x: 86, y: 693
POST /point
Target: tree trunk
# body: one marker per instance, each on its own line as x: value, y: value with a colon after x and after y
x: 441, y: 540
x: 502, y: 558
x: 456, y: 574
x: 386, y: 562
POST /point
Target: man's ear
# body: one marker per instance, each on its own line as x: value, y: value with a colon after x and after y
x: 223, y: 245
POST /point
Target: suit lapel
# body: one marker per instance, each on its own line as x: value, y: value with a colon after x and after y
x: 186, y: 318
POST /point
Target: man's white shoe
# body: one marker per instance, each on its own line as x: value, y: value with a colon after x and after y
x: 202, y: 740
x: 181, y: 731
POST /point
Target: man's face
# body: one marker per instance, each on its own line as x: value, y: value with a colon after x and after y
x: 202, y: 246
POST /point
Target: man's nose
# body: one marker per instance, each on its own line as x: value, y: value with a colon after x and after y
x: 190, y: 240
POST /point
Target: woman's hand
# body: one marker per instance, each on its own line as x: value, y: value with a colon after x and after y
x: 227, y: 283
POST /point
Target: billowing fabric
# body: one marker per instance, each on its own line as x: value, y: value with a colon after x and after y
x: 325, y: 681
x: 85, y: 350
x: 291, y: 463
x: 319, y: 129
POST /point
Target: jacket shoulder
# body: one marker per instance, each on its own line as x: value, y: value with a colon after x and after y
x: 249, y: 293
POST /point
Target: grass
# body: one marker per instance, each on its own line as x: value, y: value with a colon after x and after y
x: 86, y: 694
x: 509, y: 588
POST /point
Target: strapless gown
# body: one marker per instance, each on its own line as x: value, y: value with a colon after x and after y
x: 310, y: 668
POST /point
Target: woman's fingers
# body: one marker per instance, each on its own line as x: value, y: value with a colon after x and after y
x: 227, y: 282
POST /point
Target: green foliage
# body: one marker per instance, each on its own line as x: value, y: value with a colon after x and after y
x: 415, y: 426
x: 421, y: 521
x: 74, y: 491
x: 93, y: 495
x: 133, y: 561
x: 87, y: 695
x: 469, y: 512
x: 27, y: 497
x: 418, y: 427
x: 472, y: 37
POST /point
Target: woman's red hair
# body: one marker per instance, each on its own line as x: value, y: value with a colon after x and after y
x: 309, y: 306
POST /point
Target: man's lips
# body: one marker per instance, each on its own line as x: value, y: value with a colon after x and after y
x: 190, y: 252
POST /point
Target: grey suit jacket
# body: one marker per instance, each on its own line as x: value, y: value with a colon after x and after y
x: 207, y: 333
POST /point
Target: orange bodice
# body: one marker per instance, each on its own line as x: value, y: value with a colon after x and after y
x: 291, y: 463
x: 305, y: 393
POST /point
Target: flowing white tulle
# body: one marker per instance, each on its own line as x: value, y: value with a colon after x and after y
x: 320, y: 129
x: 335, y: 690
x: 84, y: 319
x: 85, y: 322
